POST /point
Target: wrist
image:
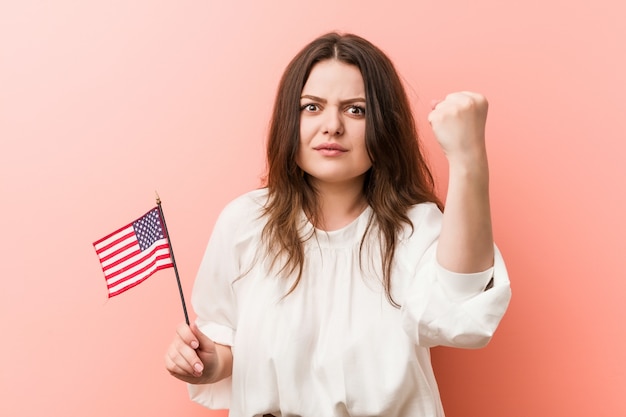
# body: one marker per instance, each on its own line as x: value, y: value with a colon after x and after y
x: 469, y: 168
x: 223, y: 365
x: 471, y: 159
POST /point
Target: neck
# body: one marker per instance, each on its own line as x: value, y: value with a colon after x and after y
x: 339, y: 204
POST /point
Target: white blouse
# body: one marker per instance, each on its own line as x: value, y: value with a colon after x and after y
x: 335, y: 346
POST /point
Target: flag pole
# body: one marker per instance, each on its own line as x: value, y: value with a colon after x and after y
x: 169, y: 241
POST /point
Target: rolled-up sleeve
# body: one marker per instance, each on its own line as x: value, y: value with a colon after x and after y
x: 440, y: 307
x: 459, y: 310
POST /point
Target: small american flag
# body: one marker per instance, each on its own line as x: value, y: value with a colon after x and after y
x: 131, y: 254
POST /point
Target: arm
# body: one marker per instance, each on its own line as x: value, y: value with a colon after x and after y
x: 466, y: 240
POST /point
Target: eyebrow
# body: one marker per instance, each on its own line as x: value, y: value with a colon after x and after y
x: 321, y: 100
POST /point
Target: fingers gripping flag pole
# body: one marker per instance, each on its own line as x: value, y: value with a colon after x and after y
x: 134, y: 252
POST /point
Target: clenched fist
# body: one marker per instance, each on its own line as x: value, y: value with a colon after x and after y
x: 458, y: 122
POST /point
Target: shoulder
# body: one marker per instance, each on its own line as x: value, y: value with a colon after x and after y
x: 425, y: 222
x: 246, y: 204
x: 427, y: 207
x: 244, y: 213
x: 423, y: 212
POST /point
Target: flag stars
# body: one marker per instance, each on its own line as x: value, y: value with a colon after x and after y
x: 148, y: 229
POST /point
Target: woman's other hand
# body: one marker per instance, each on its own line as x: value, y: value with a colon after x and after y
x: 194, y: 358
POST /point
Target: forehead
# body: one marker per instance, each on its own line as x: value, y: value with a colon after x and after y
x: 334, y: 78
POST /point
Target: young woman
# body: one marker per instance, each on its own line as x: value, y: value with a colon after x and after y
x: 321, y: 293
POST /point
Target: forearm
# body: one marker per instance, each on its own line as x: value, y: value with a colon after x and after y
x: 466, y: 240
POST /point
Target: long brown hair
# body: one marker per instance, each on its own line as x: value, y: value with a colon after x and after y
x: 398, y: 178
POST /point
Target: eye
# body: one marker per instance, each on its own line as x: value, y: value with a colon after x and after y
x: 356, y: 110
x: 309, y: 107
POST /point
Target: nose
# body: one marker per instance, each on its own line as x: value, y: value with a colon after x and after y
x: 333, y: 123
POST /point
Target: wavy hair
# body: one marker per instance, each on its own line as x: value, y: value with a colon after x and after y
x: 399, y: 176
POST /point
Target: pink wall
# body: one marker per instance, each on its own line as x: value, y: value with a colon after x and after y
x: 102, y: 102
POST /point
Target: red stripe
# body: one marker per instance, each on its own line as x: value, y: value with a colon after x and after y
x: 137, y: 262
x: 121, y: 290
x: 115, y: 242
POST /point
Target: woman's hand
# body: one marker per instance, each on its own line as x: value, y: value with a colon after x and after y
x: 194, y: 358
x: 458, y: 122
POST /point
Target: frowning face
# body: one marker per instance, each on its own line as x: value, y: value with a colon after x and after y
x: 332, y: 125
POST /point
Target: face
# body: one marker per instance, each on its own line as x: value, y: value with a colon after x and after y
x: 332, y: 125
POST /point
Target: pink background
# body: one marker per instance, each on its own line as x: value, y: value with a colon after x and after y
x: 103, y: 102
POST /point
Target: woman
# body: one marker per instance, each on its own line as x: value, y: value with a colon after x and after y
x: 321, y: 294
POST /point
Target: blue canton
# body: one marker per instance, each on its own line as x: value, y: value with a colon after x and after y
x: 148, y: 229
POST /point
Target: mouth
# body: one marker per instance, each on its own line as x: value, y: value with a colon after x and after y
x: 330, y: 147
